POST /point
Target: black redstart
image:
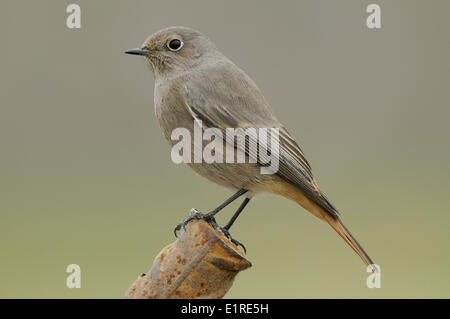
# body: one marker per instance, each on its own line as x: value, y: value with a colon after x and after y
x: 195, y: 84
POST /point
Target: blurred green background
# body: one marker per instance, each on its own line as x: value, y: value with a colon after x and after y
x: 86, y: 175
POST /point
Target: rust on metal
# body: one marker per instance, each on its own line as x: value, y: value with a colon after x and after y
x: 201, y: 263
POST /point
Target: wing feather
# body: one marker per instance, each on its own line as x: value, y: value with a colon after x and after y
x: 246, y: 108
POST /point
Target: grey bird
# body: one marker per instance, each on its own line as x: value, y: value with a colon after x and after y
x: 196, y: 83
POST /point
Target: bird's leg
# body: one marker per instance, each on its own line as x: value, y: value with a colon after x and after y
x: 226, y: 228
x: 238, y: 194
x: 236, y: 214
x: 209, y: 217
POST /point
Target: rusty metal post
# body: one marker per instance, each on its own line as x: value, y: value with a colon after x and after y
x: 201, y: 263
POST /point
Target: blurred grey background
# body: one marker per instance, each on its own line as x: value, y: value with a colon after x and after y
x: 86, y: 175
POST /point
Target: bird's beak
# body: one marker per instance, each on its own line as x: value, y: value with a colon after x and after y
x: 138, y: 51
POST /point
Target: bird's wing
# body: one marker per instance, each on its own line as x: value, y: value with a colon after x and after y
x: 237, y: 103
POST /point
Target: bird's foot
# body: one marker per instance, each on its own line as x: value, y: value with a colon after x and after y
x: 209, y: 218
x: 226, y: 232
x: 195, y: 214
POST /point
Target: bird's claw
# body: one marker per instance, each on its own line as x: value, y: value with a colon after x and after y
x: 226, y: 232
x: 209, y: 218
x: 195, y: 214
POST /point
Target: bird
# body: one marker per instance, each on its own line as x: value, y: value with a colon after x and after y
x: 196, y: 84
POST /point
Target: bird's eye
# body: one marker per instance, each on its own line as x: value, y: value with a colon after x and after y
x: 175, y: 45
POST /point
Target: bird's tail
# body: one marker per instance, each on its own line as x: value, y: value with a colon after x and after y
x: 340, y: 228
x: 289, y: 191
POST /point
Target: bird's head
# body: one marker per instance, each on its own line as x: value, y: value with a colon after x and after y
x: 174, y: 48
